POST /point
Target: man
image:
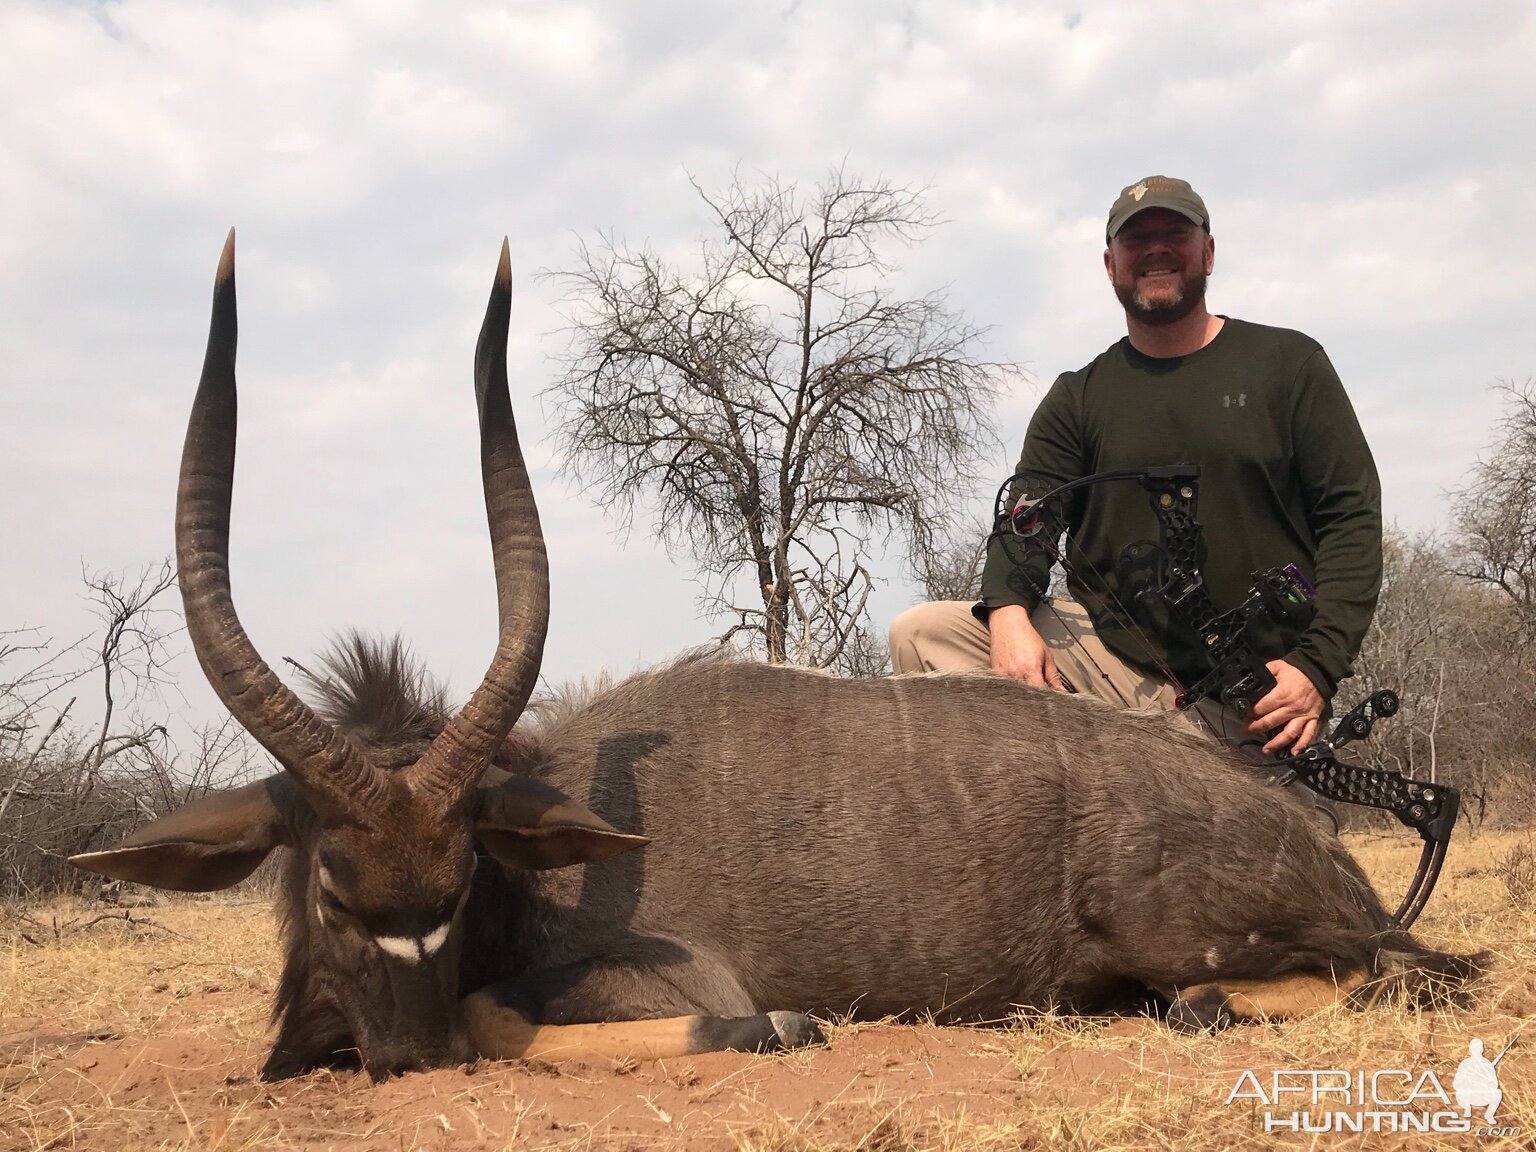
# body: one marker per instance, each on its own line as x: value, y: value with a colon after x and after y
x: 1286, y: 477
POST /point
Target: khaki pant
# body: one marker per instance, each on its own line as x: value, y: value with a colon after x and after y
x: 943, y: 636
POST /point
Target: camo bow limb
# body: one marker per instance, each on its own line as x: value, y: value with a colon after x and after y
x: 1238, y: 676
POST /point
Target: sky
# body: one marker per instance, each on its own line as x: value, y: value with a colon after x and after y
x: 1368, y: 167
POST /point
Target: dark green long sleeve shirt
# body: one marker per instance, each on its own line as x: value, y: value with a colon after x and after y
x: 1285, y: 477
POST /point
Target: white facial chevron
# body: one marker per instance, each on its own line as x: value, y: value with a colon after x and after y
x: 413, y: 949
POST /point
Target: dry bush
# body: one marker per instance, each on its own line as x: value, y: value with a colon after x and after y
x: 1453, y: 652
x: 69, y: 785
x: 1516, y: 870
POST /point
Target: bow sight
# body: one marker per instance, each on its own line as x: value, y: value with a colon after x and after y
x: 1237, y: 675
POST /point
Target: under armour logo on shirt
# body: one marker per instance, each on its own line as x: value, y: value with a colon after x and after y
x: 1227, y: 401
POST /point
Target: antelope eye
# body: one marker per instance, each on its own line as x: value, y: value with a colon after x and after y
x: 332, y: 902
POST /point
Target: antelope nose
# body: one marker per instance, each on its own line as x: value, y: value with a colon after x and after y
x: 420, y: 1058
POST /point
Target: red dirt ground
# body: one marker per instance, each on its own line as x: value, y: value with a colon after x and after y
x: 181, y: 1091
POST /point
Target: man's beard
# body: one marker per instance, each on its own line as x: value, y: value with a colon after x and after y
x: 1164, y: 309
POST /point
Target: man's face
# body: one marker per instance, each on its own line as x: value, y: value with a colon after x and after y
x: 1158, y: 263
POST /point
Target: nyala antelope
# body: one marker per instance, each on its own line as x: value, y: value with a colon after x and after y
x: 702, y: 855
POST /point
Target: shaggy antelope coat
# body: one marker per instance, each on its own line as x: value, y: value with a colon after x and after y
x: 701, y: 855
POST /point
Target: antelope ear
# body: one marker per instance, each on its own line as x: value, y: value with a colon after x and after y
x: 213, y: 842
x: 525, y: 823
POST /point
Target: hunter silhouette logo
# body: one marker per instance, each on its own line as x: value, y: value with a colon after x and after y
x: 1476, y: 1082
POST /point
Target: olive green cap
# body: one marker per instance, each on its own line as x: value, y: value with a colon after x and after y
x: 1157, y: 192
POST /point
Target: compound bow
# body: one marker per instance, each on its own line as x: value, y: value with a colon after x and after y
x: 1237, y: 675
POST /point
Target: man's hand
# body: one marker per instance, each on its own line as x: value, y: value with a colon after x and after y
x: 1018, y: 651
x: 1290, y: 710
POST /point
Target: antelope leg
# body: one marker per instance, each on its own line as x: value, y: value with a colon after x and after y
x: 503, y: 1033
x: 1200, y: 1007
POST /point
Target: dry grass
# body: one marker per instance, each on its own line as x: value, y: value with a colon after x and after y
x: 184, y: 994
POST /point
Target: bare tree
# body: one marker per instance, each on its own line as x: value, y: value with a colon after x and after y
x: 1410, y: 648
x: 23, y: 696
x: 1493, y: 518
x: 132, y: 649
x: 1452, y: 650
x: 948, y: 566
x: 786, y: 413
x: 1494, y: 515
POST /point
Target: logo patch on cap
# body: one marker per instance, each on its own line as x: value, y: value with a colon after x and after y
x: 1156, y: 192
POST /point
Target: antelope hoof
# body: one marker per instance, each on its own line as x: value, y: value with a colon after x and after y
x: 1206, y: 1011
x: 766, y: 1032
x: 796, y: 1030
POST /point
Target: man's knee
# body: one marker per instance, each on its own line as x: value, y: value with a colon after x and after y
x: 913, y: 624
x: 909, y: 635
x: 938, y: 636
